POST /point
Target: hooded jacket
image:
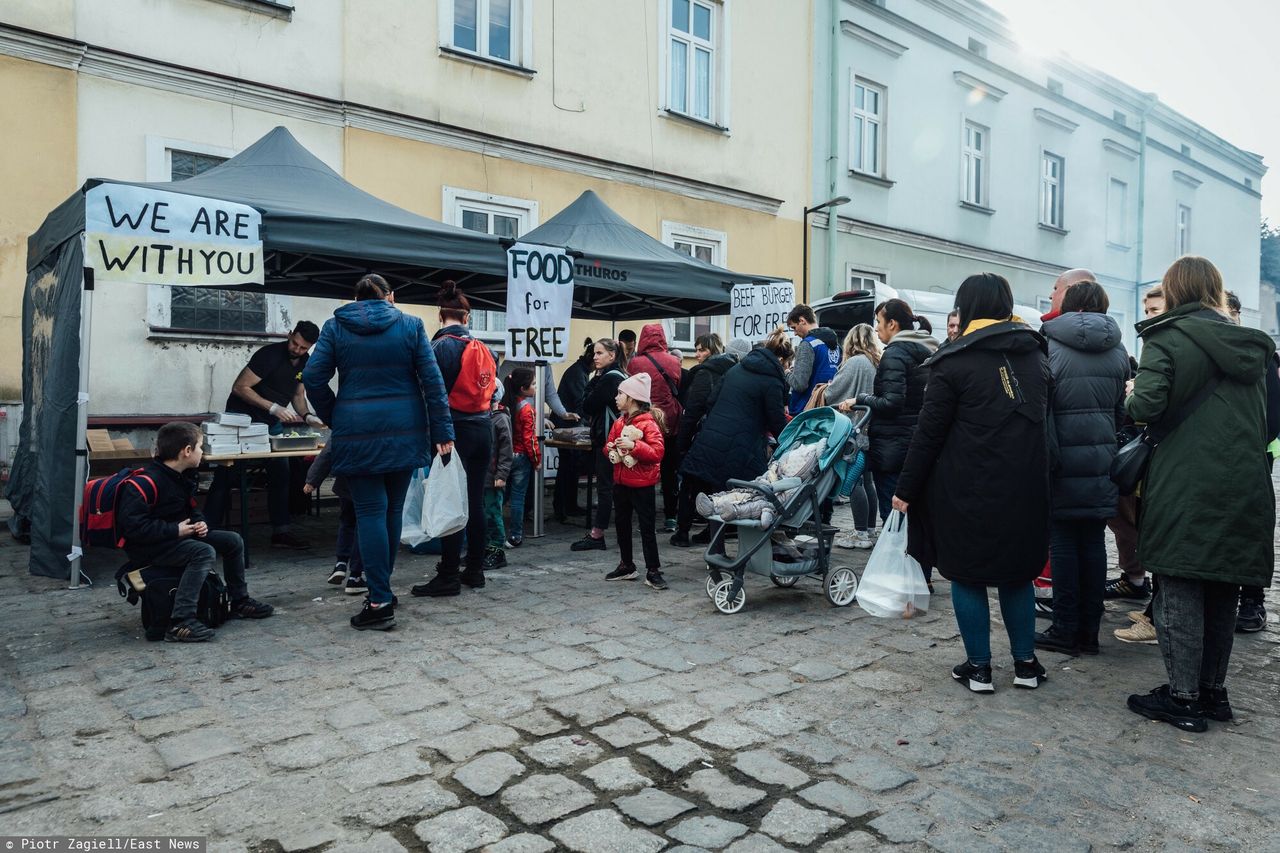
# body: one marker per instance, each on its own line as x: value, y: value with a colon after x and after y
x: 750, y: 406
x: 500, y: 459
x: 150, y: 530
x: 647, y: 453
x: 898, y: 393
x: 1090, y: 367
x: 699, y: 394
x: 391, y: 404
x: 816, y: 362
x: 977, y: 472
x: 650, y: 348
x: 1214, y: 461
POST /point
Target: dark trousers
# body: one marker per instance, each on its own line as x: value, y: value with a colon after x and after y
x: 1078, y: 554
x: 688, y: 510
x: 886, y: 485
x: 1124, y: 525
x: 670, y: 478
x: 227, y: 477
x: 973, y: 617
x: 862, y: 503
x: 348, y: 549
x: 196, y: 558
x: 604, y: 489
x: 472, y: 444
x: 565, y: 495
x: 379, y: 506
x: 640, y: 501
x: 1195, y: 626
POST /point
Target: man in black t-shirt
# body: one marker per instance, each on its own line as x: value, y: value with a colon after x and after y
x: 269, y: 390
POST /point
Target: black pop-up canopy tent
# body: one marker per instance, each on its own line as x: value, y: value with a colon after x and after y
x: 621, y: 273
x: 319, y: 234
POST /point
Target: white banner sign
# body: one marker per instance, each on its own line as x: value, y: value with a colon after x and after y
x: 154, y: 237
x: 757, y: 309
x: 539, y: 303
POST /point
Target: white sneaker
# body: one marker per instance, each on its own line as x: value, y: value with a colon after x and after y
x: 862, y: 540
x: 847, y: 540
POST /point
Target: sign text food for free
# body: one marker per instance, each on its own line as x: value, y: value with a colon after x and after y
x: 539, y: 303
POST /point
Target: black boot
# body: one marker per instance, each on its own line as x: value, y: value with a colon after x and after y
x: 1160, y: 704
x: 445, y: 583
x: 1053, y: 640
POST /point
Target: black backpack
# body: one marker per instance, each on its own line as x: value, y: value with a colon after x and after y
x: 156, y: 586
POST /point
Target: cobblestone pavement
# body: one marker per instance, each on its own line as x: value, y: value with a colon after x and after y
x: 553, y: 710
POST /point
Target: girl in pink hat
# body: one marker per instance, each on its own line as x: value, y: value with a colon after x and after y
x: 635, y: 447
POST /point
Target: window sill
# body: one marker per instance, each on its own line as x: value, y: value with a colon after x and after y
x: 486, y: 62
x: 696, y: 122
x: 978, y: 208
x: 271, y: 8
x: 1119, y: 247
x: 1053, y: 229
x: 871, y: 179
x: 197, y: 336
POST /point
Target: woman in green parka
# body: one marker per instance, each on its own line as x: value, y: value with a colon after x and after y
x: 1208, y: 509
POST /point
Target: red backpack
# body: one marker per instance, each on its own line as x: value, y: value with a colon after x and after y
x: 98, y: 510
x: 473, y: 389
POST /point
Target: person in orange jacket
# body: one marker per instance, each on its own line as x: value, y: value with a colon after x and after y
x: 635, y: 447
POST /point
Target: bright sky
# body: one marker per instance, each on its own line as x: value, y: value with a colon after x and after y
x: 1216, y: 63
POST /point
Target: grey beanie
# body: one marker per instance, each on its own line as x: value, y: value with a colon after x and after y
x: 738, y: 347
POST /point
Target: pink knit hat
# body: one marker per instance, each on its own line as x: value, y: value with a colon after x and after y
x: 637, y: 387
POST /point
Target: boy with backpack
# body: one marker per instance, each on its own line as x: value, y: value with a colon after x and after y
x: 168, y: 532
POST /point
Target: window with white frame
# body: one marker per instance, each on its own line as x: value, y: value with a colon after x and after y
x: 695, y: 48
x: 863, y: 279
x: 706, y: 245
x: 1117, y: 212
x: 491, y: 29
x: 867, y: 144
x: 1052, y: 169
x: 1182, y: 231
x: 501, y: 216
x: 977, y: 145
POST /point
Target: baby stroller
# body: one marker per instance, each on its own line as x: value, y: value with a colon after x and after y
x: 790, y: 541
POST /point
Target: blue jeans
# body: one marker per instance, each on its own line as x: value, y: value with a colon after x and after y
x: 973, y: 616
x: 517, y: 488
x: 348, y: 549
x: 379, y: 502
x: 886, y: 485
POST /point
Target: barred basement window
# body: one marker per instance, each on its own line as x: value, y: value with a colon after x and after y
x: 206, y: 309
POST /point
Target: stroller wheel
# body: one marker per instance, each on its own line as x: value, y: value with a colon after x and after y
x: 841, y: 586
x: 784, y: 581
x: 712, y: 583
x: 723, y: 602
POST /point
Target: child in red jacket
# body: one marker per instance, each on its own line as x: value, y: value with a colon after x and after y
x: 635, y: 447
x: 518, y: 391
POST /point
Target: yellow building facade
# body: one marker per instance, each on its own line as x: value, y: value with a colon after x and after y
x: 689, y: 117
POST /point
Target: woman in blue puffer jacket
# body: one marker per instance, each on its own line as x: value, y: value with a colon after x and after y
x: 390, y: 404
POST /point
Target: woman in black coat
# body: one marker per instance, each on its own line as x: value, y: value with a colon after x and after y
x: 1090, y: 367
x: 897, y: 394
x: 976, y: 476
x: 733, y: 441
x: 700, y: 393
x: 572, y: 389
x: 599, y: 404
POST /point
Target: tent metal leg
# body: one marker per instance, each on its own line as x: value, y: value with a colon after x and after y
x: 539, y: 478
x: 82, y: 428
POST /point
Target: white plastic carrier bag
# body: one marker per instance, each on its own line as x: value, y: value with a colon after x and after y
x: 444, y: 500
x: 411, y: 519
x: 893, y: 584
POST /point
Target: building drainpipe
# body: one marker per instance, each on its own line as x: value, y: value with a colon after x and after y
x: 1149, y: 103
x: 833, y: 144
